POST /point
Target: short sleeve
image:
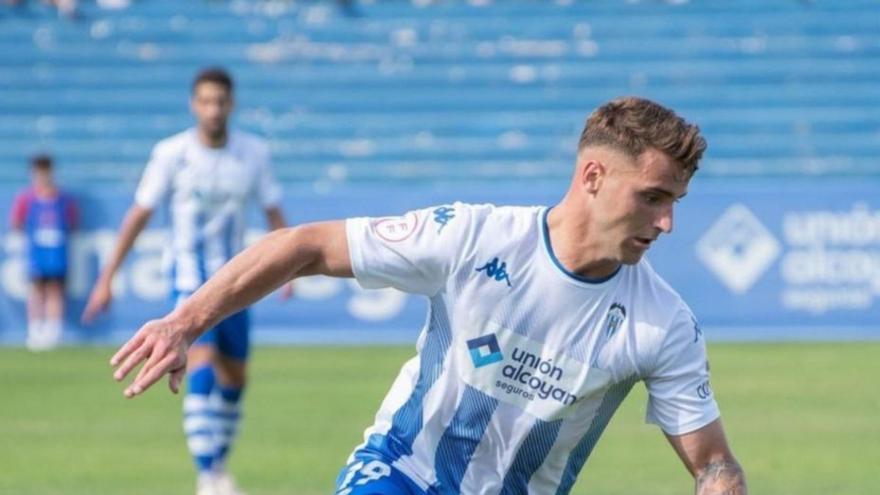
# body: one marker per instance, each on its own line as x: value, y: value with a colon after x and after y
x: 158, y: 177
x: 680, y: 399
x: 19, y: 212
x: 416, y: 252
x: 268, y: 190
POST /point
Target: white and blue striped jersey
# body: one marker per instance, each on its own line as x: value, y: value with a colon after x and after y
x: 521, y: 364
x: 207, y: 191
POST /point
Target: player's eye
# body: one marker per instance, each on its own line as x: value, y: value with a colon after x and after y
x: 652, y: 198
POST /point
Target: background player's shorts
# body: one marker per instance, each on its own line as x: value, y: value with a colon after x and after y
x: 44, y: 266
x: 370, y: 475
x: 44, y: 279
x: 231, y: 337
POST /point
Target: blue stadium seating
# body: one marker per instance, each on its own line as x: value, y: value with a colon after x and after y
x: 448, y: 90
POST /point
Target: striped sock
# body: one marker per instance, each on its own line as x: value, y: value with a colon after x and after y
x: 198, y: 418
x: 227, y: 413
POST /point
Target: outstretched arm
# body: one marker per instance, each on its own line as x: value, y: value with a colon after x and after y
x: 275, y: 220
x: 310, y: 249
x: 133, y: 224
x: 707, y: 456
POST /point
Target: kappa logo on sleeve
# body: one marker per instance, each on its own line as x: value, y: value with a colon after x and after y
x: 396, y: 229
x: 442, y: 216
x: 698, y: 332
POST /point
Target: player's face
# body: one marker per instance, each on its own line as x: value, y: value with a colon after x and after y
x: 211, y: 104
x: 636, y: 203
x: 41, y: 177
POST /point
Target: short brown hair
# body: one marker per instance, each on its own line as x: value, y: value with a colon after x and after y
x: 632, y: 125
x: 215, y: 75
x: 41, y: 162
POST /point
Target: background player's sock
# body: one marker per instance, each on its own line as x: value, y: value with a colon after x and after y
x: 198, y: 418
x: 227, y: 413
x: 34, y: 335
x: 52, y: 329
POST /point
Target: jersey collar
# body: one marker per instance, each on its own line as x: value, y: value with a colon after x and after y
x: 545, y: 235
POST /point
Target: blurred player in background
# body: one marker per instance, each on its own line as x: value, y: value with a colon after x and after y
x: 206, y: 175
x: 47, y: 216
x: 541, y: 321
x: 66, y: 8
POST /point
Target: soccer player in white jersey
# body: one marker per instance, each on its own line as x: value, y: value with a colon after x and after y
x: 206, y: 175
x: 541, y: 320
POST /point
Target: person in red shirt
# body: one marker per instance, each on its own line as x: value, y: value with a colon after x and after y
x: 46, y: 216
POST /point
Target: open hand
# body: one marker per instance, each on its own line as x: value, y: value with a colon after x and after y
x: 162, y: 348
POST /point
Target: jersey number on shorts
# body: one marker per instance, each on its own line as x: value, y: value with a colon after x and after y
x: 372, y: 471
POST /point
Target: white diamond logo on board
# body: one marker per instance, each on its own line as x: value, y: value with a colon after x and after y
x: 738, y: 248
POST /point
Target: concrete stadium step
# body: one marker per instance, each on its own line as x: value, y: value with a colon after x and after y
x: 773, y: 84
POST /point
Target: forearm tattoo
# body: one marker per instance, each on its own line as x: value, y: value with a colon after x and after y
x: 723, y: 477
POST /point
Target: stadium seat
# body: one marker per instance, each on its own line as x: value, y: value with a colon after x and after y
x: 400, y: 91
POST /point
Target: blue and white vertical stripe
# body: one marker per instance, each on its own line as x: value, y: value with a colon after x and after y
x: 454, y: 449
x: 528, y: 422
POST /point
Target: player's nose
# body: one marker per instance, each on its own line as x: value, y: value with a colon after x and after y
x: 664, y: 222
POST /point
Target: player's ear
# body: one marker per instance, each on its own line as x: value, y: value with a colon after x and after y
x: 591, y: 174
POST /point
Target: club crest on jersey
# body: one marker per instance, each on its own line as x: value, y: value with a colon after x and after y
x: 442, y: 216
x: 615, y: 317
x: 497, y: 270
x: 484, y: 350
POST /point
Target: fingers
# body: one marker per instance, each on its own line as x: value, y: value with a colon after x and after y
x: 176, y: 378
x: 89, y: 313
x: 95, y: 305
x: 125, y: 352
x: 139, y: 355
x: 151, y: 373
x: 158, y: 351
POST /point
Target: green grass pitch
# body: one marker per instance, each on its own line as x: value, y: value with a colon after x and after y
x: 802, y: 418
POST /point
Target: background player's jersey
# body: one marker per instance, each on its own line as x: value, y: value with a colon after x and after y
x: 47, y: 224
x: 521, y: 364
x: 208, y: 189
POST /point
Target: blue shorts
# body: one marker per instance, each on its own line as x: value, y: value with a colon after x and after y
x: 369, y: 474
x: 231, y: 337
x: 51, y: 266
